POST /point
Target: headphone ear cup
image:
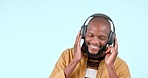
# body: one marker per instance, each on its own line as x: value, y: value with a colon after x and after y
x: 83, y: 31
x: 111, y: 38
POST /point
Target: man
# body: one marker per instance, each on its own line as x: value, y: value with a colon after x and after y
x: 96, y: 58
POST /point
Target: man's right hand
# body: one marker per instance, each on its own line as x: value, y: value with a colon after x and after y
x: 77, y: 57
x: 77, y: 48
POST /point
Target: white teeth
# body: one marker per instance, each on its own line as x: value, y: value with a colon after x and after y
x: 93, y: 46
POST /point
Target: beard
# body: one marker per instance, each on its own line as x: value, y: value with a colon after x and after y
x: 89, y: 54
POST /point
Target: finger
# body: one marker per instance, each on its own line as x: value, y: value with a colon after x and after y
x: 77, y: 39
x: 110, y: 49
x: 112, y: 52
x: 116, y: 43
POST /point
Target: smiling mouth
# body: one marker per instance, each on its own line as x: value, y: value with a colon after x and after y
x: 93, y: 47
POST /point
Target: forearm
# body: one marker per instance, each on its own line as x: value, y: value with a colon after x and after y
x: 68, y: 70
x: 111, y: 71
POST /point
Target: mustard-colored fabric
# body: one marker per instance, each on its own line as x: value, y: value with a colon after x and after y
x: 121, y: 67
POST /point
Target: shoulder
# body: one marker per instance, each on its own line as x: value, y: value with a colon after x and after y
x: 68, y: 53
x: 120, y: 63
x: 122, y: 68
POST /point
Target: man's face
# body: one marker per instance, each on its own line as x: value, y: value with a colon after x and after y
x: 97, y: 35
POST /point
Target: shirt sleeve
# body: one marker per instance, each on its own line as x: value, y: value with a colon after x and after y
x: 60, y: 74
x: 124, y: 71
x: 58, y: 71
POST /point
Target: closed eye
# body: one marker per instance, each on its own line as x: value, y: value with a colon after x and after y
x: 102, y: 38
x: 90, y: 35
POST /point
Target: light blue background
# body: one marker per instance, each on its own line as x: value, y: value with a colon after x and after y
x: 33, y: 33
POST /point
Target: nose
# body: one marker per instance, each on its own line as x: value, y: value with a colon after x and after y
x: 95, y: 41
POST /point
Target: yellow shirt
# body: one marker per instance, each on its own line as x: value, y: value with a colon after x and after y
x: 121, y: 67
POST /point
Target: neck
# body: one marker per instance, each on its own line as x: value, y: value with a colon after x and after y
x: 93, y: 63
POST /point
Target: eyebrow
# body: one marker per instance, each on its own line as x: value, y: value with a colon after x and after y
x: 104, y: 35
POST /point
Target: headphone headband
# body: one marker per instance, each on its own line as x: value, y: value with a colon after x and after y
x: 101, y: 15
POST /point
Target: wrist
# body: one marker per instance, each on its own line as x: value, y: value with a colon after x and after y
x: 110, y: 65
x: 111, y: 71
x: 76, y: 60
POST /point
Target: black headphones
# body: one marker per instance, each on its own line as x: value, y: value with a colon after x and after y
x: 112, y: 33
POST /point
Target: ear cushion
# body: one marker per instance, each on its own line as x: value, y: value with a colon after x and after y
x: 83, y: 31
x: 111, y: 38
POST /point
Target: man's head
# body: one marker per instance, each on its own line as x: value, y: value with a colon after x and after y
x: 97, y: 34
